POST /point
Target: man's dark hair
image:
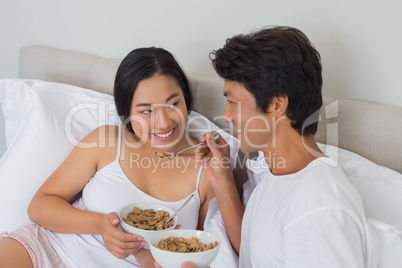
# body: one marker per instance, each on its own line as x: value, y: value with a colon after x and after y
x: 140, y: 64
x: 273, y: 62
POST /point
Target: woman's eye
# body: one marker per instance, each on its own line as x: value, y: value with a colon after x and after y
x: 146, y: 112
x: 173, y: 104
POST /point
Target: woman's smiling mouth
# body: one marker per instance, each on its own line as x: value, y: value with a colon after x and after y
x: 164, y: 136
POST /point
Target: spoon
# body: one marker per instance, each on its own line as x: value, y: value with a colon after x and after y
x: 174, y: 214
x: 170, y: 156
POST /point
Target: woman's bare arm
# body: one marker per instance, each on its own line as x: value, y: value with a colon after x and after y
x: 208, y: 194
x: 50, y: 205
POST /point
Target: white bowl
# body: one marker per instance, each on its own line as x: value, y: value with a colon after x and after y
x: 168, y: 259
x: 146, y: 234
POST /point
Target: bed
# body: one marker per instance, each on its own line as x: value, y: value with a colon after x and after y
x: 365, y: 138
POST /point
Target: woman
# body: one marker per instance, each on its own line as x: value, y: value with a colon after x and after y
x: 114, y: 166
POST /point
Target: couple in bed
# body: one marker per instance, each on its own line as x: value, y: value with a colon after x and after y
x: 304, y: 214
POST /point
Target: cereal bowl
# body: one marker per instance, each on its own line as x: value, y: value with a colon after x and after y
x: 146, y: 234
x: 169, y: 259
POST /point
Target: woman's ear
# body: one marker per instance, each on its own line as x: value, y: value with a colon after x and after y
x: 280, y: 105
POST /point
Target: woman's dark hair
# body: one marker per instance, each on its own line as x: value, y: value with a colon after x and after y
x: 140, y: 64
x: 273, y: 62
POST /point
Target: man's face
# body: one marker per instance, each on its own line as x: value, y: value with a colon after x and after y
x: 255, y: 128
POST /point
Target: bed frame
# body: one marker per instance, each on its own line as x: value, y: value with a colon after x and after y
x: 371, y: 130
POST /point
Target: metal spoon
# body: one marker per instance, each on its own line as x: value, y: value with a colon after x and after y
x: 174, y: 214
x: 170, y: 156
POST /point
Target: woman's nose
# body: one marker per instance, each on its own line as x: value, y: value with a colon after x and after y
x: 162, y: 120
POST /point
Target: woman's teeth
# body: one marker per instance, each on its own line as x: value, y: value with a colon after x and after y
x: 164, y: 135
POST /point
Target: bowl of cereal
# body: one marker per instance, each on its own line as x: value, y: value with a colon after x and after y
x: 146, y: 219
x: 171, y: 248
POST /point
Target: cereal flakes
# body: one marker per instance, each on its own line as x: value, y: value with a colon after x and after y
x: 184, y: 245
x: 148, y: 219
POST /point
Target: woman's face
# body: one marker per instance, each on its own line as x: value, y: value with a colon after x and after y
x: 159, y: 112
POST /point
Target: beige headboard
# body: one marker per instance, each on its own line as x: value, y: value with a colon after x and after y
x: 371, y: 130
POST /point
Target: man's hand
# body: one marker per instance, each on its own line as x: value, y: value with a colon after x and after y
x: 215, y: 157
x: 186, y: 264
x: 144, y: 258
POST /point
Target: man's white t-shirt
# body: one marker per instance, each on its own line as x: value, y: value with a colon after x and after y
x: 312, y: 218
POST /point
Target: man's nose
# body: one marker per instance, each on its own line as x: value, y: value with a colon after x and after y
x: 227, y: 116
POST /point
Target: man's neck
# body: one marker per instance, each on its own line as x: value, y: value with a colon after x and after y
x: 291, y: 152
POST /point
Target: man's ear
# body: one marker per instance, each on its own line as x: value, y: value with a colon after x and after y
x: 280, y: 105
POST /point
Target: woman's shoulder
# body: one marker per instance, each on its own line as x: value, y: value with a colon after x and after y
x: 101, y: 144
x: 101, y: 137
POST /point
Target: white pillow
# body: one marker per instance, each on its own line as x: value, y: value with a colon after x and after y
x: 17, y: 107
x: 380, y: 187
x: 388, y: 242
x: 82, y: 109
x: 39, y: 147
x: 36, y: 113
x: 3, y: 145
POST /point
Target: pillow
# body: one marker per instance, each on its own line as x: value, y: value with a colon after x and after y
x: 388, y: 242
x: 44, y: 121
x: 38, y: 148
x: 380, y: 188
x: 83, y: 109
x: 3, y: 145
x: 16, y: 108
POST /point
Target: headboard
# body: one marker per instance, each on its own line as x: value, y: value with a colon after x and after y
x: 372, y: 130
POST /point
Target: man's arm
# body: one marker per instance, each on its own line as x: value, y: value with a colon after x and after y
x: 216, y: 165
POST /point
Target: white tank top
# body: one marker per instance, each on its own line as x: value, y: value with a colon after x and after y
x: 107, y: 191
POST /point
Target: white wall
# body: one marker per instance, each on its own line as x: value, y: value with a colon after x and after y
x: 359, y: 40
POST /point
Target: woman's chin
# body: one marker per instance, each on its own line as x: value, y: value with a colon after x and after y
x: 168, y: 146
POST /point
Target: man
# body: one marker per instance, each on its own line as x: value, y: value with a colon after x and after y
x: 305, y: 213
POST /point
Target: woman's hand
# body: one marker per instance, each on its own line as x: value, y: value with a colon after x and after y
x: 120, y: 244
